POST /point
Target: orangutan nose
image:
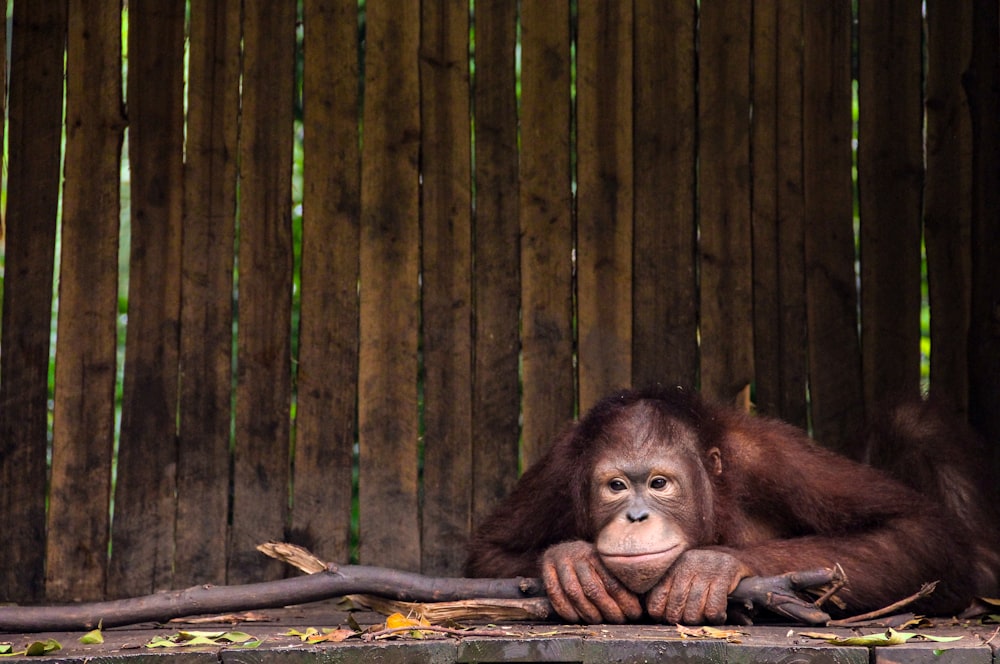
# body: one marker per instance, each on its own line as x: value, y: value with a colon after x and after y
x: 635, y: 516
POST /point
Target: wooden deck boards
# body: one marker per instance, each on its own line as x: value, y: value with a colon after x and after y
x: 537, y: 642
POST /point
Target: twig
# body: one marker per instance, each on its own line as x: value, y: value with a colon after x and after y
x: 839, y: 581
x: 450, y: 631
x: 924, y: 591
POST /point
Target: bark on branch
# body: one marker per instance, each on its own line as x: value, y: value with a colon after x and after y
x: 775, y: 593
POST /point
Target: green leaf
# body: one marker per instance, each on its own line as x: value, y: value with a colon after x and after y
x: 888, y: 638
x: 939, y: 639
x: 196, y: 638
x: 92, y: 637
x: 42, y: 647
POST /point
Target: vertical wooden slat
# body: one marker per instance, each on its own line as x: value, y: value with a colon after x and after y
x: 83, y: 429
x: 390, y: 251
x: 328, y: 341
x: 263, y: 390
x: 496, y: 282
x: 983, y: 88
x: 604, y: 198
x: 446, y: 155
x: 836, y: 406
x: 546, y: 224
x: 665, y: 291
x: 206, y: 346
x: 724, y: 198
x: 948, y: 197
x: 778, y: 253
x: 767, y: 339
x: 143, y: 558
x: 36, y: 96
x: 890, y: 180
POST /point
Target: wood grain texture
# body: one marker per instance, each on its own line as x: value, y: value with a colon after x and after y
x: 948, y: 198
x: 263, y: 387
x: 982, y: 82
x: 496, y: 399
x: 208, y: 248
x: 546, y: 209
x: 890, y: 182
x: 779, y: 296
x: 446, y: 269
x: 837, y: 407
x: 327, y: 385
x: 604, y: 199
x: 33, y: 183
x: 390, y: 291
x: 665, y: 288
x: 725, y: 267
x: 143, y: 557
x: 83, y: 428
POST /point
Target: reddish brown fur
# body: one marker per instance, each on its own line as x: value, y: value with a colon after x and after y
x: 781, y: 503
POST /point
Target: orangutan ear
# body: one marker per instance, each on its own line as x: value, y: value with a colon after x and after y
x: 714, y: 461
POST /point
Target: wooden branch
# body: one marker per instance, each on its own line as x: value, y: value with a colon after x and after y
x: 777, y: 594
x: 333, y: 582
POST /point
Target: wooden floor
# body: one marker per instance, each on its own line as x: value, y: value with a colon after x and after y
x: 512, y: 642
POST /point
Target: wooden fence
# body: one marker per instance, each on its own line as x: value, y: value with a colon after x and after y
x: 507, y: 209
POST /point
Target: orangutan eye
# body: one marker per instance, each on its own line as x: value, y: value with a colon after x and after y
x: 658, y: 482
x: 617, y: 485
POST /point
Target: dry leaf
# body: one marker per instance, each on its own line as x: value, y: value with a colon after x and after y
x: 730, y: 635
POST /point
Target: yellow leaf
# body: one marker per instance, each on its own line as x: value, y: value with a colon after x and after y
x: 397, y: 620
x: 333, y: 636
x: 731, y: 635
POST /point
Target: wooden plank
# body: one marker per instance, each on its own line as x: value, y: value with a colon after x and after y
x: 83, y: 429
x: 496, y: 405
x: 890, y: 179
x: 604, y: 198
x: 446, y: 208
x: 390, y: 297
x: 767, y: 249
x: 724, y: 199
x: 948, y: 198
x: 983, y: 88
x: 206, y: 342
x: 546, y: 225
x: 778, y: 252
x: 665, y: 290
x: 33, y: 178
x: 263, y: 389
x: 143, y: 557
x: 328, y: 343
x: 836, y: 406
